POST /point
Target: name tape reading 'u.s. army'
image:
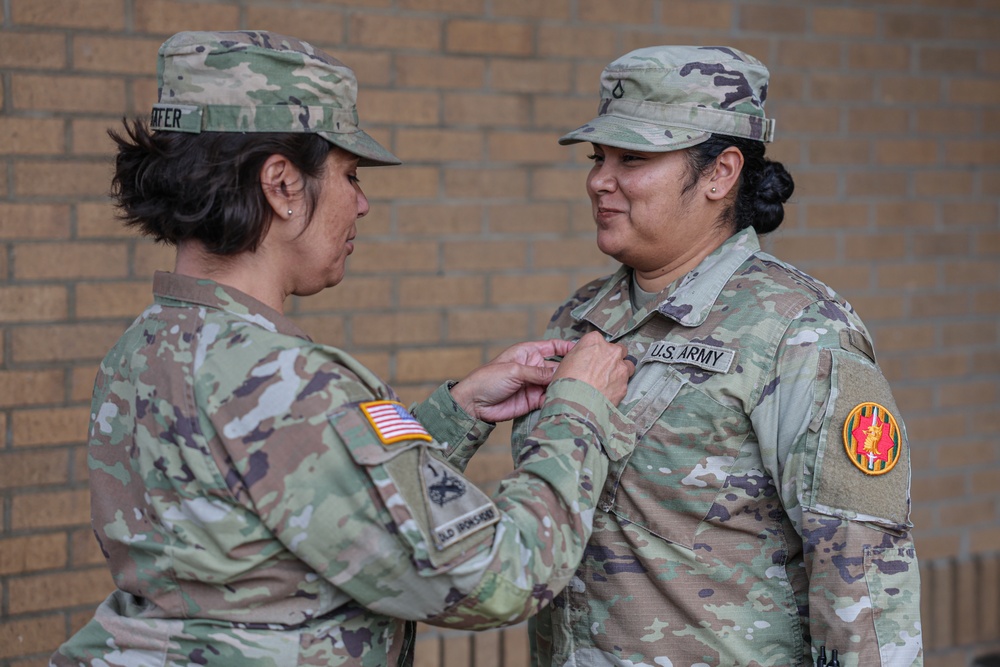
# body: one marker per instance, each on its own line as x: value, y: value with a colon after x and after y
x: 709, y: 357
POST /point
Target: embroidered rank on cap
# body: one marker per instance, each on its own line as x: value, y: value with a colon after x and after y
x: 872, y: 439
x: 393, y: 423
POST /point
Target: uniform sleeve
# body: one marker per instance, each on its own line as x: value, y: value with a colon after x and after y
x: 452, y: 426
x: 836, y: 446
x: 388, y: 521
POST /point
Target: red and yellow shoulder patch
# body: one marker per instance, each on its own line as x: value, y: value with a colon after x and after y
x: 872, y: 439
x: 393, y: 423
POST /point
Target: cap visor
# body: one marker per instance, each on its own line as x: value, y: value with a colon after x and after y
x: 360, y: 143
x: 620, y: 132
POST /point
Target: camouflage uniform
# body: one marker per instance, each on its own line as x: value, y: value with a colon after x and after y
x: 764, y: 512
x: 252, y: 515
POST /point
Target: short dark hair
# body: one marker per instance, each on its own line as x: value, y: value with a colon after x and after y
x: 175, y: 186
x: 763, y: 188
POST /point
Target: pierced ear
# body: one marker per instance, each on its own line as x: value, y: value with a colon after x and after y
x: 726, y: 174
x: 280, y: 180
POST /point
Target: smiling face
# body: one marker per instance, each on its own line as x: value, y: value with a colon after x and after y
x: 645, y: 217
x: 320, y: 251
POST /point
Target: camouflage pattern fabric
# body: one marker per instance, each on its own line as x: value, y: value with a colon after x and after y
x: 253, y: 514
x: 739, y: 532
x: 664, y: 98
x: 255, y: 81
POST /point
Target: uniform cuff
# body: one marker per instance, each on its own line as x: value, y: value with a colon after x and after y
x: 577, y: 399
x: 447, y: 422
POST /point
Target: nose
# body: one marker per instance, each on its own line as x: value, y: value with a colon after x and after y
x: 601, y: 179
x: 363, y: 206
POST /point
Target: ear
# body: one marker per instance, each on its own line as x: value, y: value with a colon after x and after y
x: 726, y: 174
x: 281, y: 182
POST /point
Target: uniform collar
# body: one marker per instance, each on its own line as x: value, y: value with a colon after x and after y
x: 687, y: 302
x: 174, y: 288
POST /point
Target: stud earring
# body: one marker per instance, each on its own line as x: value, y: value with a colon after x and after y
x: 713, y: 190
x: 289, y: 211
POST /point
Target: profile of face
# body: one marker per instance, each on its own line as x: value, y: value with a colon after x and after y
x: 645, y: 215
x: 319, y: 250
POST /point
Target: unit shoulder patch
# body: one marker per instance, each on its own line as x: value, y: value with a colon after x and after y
x: 393, y: 423
x: 872, y: 438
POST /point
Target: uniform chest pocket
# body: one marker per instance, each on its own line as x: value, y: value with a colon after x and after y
x: 687, y: 443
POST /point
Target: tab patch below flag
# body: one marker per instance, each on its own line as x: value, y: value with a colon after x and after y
x: 872, y: 439
x: 393, y: 423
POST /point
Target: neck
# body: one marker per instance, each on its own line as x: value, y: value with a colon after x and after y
x: 247, y: 272
x: 655, y: 280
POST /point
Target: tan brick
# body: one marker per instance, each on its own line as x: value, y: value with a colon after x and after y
x: 33, y: 303
x: 966, y: 393
x: 485, y: 255
x: 471, y: 183
x: 318, y: 25
x: 34, y: 387
x: 972, y: 272
x: 435, y: 364
x: 439, y: 219
x: 30, y: 50
x: 868, y: 56
x: 911, y: 26
x: 395, y: 257
x: 805, y: 248
x: 987, y: 302
x: 398, y: 107
x: 586, y: 77
x: 932, y: 304
x: 354, y: 293
x: 876, y: 184
x: 53, y: 426
x: 96, y: 14
x: 940, y: 244
x: 904, y: 337
x: 551, y: 9
x: 445, y: 6
x: 36, y: 92
x: 150, y: 258
x: 486, y: 110
x: 32, y: 553
x: 67, y: 180
x: 984, y: 481
x: 984, y: 540
x: 64, y: 342
x: 529, y: 218
x: 987, y: 361
x: 118, y: 299
x: 84, y: 548
x: 516, y: 645
x: 878, y: 121
x: 394, y: 32
x: 25, y: 636
x: 913, y: 399
x: 937, y: 488
x: 524, y: 147
x: 904, y: 214
x: 165, y: 17
x: 36, y: 468
x: 90, y: 137
x: 808, y: 53
x: 439, y: 145
x: 950, y: 60
x: 98, y: 220
x: 82, y: 383
x: 444, y: 72
x: 376, y: 224
x: 126, y: 55
x: 909, y: 152
x: 32, y: 136
x: 838, y: 216
x: 562, y: 113
x: 976, y: 213
x: 831, y: 87
x: 974, y: 27
x: 572, y: 41
x: 907, y: 276
x: 943, y: 183
x: 814, y: 184
x: 847, y: 278
x: 64, y: 589
x: 487, y: 325
x: 50, y: 510
x: 450, y: 291
x: 839, y: 151
x: 560, y: 184
x: 401, y: 183
x: 46, y: 261
x: 530, y: 76
x: 844, y: 22
x: 396, y: 329
x: 698, y: 14
x: 909, y: 90
x: 937, y: 366
x: 570, y: 253
x: 324, y: 329
x: 531, y: 289
x: 987, y: 243
x: 874, y: 309
x: 618, y: 12
x: 489, y: 37
x: 773, y: 19
x: 976, y: 152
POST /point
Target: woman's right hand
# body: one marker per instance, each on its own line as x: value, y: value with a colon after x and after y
x: 600, y: 364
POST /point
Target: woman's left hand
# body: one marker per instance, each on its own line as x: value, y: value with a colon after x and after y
x: 513, y: 384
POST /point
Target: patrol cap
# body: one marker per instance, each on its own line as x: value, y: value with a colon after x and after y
x: 664, y: 98
x: 256, y: 81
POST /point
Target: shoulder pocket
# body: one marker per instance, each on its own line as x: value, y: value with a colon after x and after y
x: 441, y: 516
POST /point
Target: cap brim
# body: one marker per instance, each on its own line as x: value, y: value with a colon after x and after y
x: 632, y: 134
x: 360, y: 143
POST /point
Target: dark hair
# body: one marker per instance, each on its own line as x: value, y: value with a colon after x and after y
x: 176, y: 186
x: 763, y: 188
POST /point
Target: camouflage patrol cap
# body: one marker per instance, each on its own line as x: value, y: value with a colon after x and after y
x: 255, y: 81
x: 664, y: 98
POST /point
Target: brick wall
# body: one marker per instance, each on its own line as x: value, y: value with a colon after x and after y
x: 888, y: 116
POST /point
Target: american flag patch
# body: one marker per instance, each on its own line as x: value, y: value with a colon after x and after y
x: 393, y: 423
